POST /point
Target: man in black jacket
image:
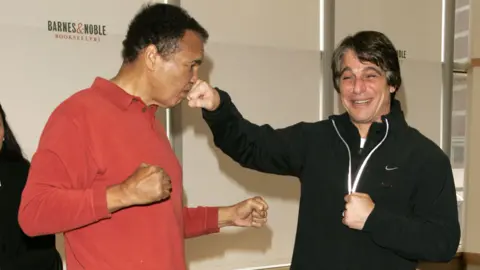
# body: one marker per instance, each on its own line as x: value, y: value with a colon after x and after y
x: 375, y: 192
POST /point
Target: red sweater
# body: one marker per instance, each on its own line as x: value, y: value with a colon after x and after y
x: 95, y: 139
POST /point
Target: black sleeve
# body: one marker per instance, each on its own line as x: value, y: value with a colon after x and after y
x: 41, y: 259
x: 433, y: 232
x: 40, y: 242
x: 262, y: 148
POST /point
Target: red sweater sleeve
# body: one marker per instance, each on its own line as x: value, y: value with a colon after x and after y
x: 60, y: 195
x: 200, y: 221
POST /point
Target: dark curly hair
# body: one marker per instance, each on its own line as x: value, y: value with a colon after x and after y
x: 162, y: 25
x: 11, y: 150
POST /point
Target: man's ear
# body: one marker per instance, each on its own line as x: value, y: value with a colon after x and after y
x: 391, y: 89
x: 150, y: 56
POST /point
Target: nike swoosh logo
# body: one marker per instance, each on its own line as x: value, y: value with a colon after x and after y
x: 390, y: 168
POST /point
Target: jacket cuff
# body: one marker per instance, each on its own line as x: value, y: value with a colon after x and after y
x: 211, y: 220
x: 377, y: 219
x: 224, y: 99
x: 99, y: 203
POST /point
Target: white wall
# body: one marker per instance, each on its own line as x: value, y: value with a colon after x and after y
x: 416, y: 28
x: 266, y: 55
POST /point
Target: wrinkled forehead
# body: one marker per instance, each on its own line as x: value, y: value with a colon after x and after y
x: 351, y: 61
x: 362, y: 70
x: 191, y: 47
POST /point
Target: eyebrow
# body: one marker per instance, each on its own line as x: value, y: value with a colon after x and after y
x: 197, y: 61
x: 345, y: 69
x: 377, y: 70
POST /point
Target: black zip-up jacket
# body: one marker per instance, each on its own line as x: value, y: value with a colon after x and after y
x: 408, y: 177
x: 17, y: 250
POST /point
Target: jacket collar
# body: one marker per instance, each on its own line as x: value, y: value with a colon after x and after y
x: 396, y: 125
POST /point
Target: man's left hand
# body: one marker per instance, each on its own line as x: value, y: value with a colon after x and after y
x: 357, y: 209
x: 249, y: 213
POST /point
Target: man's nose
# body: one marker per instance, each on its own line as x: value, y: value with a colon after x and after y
x: 358, y: 86
x: 194, y: 78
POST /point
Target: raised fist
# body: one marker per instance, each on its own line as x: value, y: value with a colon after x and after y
x: 148, y: 184
x: 202, y: 95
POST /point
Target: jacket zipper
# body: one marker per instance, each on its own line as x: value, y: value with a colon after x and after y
x: 353, y: 188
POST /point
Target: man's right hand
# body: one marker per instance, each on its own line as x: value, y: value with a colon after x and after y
x: 148, y: 184
x: 204, y: 96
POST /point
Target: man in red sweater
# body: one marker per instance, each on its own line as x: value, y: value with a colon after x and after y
x: 104, y: 173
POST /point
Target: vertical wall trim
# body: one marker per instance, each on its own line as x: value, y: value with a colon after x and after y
x: 168, y: 111
x: 327, y: 45
x: 448, y: 32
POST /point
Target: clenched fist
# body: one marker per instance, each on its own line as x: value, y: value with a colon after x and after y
x: 202, y: 95
x: 148, y: 184
x: 248, y: 213
x: 357, y: 209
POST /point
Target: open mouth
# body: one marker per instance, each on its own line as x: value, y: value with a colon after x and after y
x: 361, y: 102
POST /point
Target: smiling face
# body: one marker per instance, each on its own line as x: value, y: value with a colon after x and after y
x: 364, y: 90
